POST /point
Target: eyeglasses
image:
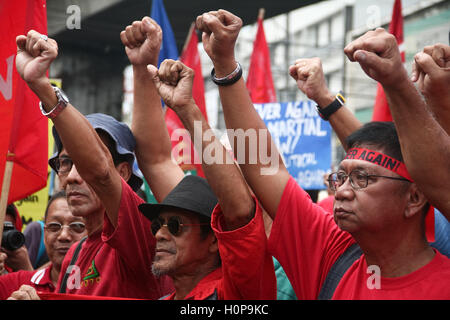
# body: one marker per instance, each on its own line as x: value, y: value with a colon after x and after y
x: 61, y: 165
x: 74, y: 227
x: 358, y: 179
x: 173, y: 224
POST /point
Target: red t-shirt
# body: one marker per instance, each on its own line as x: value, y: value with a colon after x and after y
x: 431, y: 282
x: 327, y: 204
x: 117, y: 261
x: 308, y: 242
x: 38, y: 279
x: 247, y: 271
x: 206, y: 289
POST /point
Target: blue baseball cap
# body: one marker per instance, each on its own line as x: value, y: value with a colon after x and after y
x: 120, y: 133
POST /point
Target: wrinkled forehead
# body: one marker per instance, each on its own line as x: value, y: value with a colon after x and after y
x: 59, y: 210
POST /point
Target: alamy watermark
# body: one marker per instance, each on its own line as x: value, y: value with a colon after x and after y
x: 374, y: 280
x: 251, y: 147
x: 73, y: 21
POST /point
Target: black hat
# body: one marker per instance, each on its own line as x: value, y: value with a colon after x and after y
x: 193, y: 193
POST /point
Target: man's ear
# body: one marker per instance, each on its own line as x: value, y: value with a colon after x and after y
x: 124, y: 170
x: 214, y: 244
x: 416, y: 202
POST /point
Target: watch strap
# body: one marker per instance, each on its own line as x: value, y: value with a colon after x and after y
x: 326, y: 112
x: 60, y: 105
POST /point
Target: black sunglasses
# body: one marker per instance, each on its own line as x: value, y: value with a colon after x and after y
x: 174, y: 225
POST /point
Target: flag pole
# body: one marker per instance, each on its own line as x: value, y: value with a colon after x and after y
x: 261, y: 13
x: 188, y: 38
x: 5, y: 190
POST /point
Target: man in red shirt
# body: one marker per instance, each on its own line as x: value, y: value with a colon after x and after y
x: 62, y: 229
x: 376, y: 204
x: 95, y: 165
x: 202, y: 264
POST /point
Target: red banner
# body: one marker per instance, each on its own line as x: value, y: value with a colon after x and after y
x: 259, y: 80
x: 64, y: 296
x: 23, y: 130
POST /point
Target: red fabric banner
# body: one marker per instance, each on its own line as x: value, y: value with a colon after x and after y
x: 191, y: 58
x: 259, y: 80
x: 24, y: 131
x: 65, y: 296
x: 381, y: 110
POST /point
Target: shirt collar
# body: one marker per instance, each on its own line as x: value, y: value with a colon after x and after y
x: 205, y: 288
x: 42, y: 277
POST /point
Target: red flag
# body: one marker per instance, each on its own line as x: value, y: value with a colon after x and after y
x: 23, y: 130
x: 259, y: 80
x: 381, y: 110
x: 191, y: 58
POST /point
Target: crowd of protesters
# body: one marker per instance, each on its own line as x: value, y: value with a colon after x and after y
x: 218, y: 237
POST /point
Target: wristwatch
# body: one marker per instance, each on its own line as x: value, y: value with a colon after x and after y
x: 63, y: 100
x: 326, y: 112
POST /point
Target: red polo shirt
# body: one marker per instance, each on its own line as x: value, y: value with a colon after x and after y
x: 116, y: 262
x: 206, y: 289
x: 239, y: 249
x: 38, y: 279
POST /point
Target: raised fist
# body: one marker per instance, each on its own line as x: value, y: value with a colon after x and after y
x: 378, y: 54
x: 173, y: 81
x: 142, y: 41
x: 308, y: 74
x: 220, y: 31
x: 431, y: 69
x: 35, y: 53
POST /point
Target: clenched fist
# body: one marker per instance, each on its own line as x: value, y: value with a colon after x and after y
x: 35, y: 53
x: 220, y: 31
x: 378, y: 54
x: 142, y: 41
x: 173, y: 81
x: 308, y: 74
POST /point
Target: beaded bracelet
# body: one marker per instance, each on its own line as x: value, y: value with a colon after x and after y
x: 233, y: 77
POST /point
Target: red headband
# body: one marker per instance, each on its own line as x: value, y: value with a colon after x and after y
x: 399, y: 168
x: 380, y: 159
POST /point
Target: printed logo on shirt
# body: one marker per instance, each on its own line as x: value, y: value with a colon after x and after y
x: 92, y: 276
x: 37, y: 277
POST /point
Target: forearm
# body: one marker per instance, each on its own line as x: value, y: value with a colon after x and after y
x: 240, y: 113
x: 439, y: 106
x: 77, y: 135
x: 220, y: 170
x: 425, y: 145
x: 89, y: 154
x: 343, y: 121
x: 153, y: 146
